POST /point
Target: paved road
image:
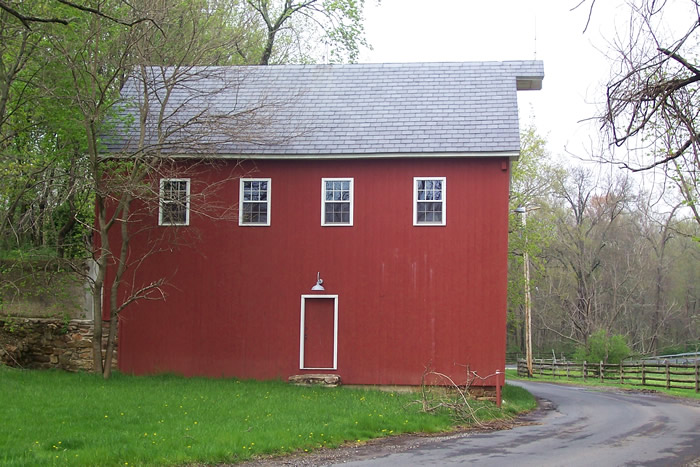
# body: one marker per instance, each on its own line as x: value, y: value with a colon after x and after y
x: 578, y: 427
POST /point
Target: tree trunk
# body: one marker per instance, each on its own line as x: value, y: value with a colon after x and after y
x: 111, y: 337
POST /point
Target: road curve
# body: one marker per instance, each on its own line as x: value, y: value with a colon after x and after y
x: 576, y: 427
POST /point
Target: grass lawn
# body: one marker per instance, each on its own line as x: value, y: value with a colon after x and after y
x: 58, y: 418
x: 689, y: 393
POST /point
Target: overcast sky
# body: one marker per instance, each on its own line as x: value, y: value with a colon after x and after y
x: 462, y: 30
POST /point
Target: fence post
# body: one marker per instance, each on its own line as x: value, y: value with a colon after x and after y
x: 644, y: 379
x: 622, y: 377
x: 568, y: 365
x: 584, y: 370
x: 697, y: 375
x: 668, y: 376
x: 498, y: 387
x: 601, y: 371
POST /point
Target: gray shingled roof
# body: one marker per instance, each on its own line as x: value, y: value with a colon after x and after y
x: 332, y: 110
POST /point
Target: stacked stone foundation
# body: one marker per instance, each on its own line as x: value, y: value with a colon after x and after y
x: 38, y: 343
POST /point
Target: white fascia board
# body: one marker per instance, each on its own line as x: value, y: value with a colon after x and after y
x: 398, y: 155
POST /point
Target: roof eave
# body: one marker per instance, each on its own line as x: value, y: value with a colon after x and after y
x: 396, y: 155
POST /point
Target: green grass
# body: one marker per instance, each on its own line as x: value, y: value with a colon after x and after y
x: 517, y: 400
x: 689, y: 393
x: 28, y: 253
x: 57, y: 418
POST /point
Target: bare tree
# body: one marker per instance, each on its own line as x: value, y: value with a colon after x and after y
x: 289, y: 25
x: 170, y: 110
x: 63, y: 66
x: 651, y: 100
x: 585, y: 223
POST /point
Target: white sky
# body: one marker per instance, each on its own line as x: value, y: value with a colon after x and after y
x: 464, y: 30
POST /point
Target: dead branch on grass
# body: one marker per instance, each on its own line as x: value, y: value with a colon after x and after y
x: 440, y: 391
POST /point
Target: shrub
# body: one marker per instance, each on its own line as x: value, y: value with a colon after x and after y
x: 603, y: 348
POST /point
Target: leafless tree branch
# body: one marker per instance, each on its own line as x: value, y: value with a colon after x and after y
x: 27, y: 20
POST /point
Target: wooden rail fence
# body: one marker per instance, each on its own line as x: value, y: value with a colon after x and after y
x: 663, y: 375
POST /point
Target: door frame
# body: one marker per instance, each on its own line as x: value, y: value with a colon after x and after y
x: 335, y: 331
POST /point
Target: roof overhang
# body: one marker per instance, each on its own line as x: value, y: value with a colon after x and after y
x: 529, y: 83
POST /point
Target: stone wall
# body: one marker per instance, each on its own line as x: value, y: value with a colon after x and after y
x: 35, y: 289
x: 47, y: 343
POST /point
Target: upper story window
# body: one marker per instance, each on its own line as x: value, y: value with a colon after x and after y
x: 174, y: 201
x: 336, y: 201
x: 429, y: 200
x: 254, y: 202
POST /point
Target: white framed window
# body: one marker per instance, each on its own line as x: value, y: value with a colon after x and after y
x: 336, y: 201
x: 254, y: 202
x: 429, y: 200
x: 174, y: 206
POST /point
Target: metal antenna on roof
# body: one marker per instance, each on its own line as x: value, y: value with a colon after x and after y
x: 535, y: 36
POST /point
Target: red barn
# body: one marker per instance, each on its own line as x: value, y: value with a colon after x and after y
x: 389, y: 182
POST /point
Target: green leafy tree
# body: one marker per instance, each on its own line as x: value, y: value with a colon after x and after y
x: 532, y: 179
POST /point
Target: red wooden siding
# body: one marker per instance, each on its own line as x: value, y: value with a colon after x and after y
x: 408, y: 296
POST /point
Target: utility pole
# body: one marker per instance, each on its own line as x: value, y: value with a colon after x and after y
x: 528, y: 300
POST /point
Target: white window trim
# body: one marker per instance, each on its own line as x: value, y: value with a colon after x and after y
x: 161, y: 195
x: 302, y: 364
x: 323, y: 201
x: 443, y: 201
x: 240, y: 201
